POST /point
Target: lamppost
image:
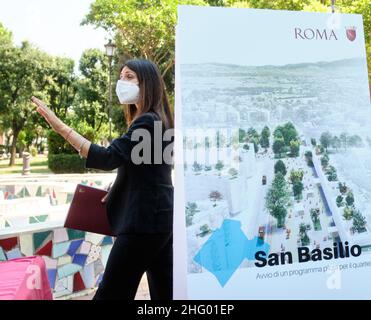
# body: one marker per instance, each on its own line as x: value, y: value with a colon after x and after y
x: 110, y: 52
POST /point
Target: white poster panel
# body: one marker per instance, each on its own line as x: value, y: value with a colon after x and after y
x: 273, y: 155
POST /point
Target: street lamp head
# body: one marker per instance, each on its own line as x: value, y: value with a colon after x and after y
x: 110, y: 48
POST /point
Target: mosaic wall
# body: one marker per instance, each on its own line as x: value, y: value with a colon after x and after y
x: 75, y: 260
x: 56, y: 193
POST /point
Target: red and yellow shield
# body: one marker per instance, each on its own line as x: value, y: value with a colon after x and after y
x: 351, y: 33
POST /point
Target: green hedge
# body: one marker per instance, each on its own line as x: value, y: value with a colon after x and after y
x: 57, y: 144
x: 66, y: 163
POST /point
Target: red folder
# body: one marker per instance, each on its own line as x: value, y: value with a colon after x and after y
x: 87, y: 212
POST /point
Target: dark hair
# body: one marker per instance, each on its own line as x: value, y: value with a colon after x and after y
x: 152, y: 92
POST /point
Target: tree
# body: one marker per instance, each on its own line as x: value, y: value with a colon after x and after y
x: 219, y: 166
x: 197, y: 167
x: 309, y: 158
x: 278, y: 199
x: 256, y: 145
x: 278, y: 146
x: 325, y: 160
x: 264, y: 137
x: 205, y: 229
x: 339, y: 201
x: 280, y: 167
x: 314, y: 215
x: 331, y: 173
x: 296, y: 176
x: 294, y: 148
x: 313, y: 142
x: 233, y: 172
x: 359, y: 222
x: 144, y: 28
x: 303, y: 234
x: 215, y: 196
x: 241, y: 135
x: 91, y: 101
x: 277, y: 133
x: 298, y: 188
x: 220, y: 140
x: 349, y: 199
x: 336, y: 142
x: 29, y: 71
x: 252, y: 134
x: 289, y: 133
x: 355, y: 141
x: 348, y: 213
x: 325, y: 139
x: 344, y: 140
x: 343, y: 188
x: 191, y: 209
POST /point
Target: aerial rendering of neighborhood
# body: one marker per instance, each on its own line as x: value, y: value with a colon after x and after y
x: 284, y: 150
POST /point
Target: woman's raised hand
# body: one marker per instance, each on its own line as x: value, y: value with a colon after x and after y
x: 48, y: 115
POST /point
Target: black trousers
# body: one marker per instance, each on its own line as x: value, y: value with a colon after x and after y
x: 130, y: 257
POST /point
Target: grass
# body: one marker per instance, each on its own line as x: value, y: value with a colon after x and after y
x: 38, y: 164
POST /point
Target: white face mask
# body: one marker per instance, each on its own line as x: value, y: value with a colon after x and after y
x: 127, y: 92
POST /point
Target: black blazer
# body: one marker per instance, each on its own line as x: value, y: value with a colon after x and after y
x: 141, y: 198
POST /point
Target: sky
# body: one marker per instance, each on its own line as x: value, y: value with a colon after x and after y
x: 263, y: 37
x: 52, y: 25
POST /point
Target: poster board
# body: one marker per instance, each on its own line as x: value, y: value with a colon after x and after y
x: 273, y: 155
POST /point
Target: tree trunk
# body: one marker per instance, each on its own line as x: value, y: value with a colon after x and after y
x: 280, y: 222
x: 13, y: 148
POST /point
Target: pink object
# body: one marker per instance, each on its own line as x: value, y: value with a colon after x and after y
x: 24, y: 279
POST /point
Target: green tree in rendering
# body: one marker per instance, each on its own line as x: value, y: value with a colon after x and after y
x: 233, y: 172
x: 264, y: 137
x: 278, y: 147
x: 314, y: 215
x: 325, y: 160
x: 204, y: 230
x: 278, y: 199
x: 219, y: 166
x: 331, y: 173
x: 294, y: 148
x: 289, y: 133
x: 325, y: 139
x: 296, y: 176
x: 343, y: 188
x: 349, y: 199
x: 348, y: 213
x: 280, y: 167
x: 252, y: 134
x: 298, y: 188
x: 191, y: 209
x: 359, y: 222
x: 355, y: 141
x: 344, y: 140
x: 303, y: 228
x: 339, y: 201
x: 309, y: 158
x: 215, y: 196
x: 336, y: 143
x: 241, y: 135
x: 197, y: 167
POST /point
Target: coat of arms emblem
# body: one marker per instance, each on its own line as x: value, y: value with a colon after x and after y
x: 351, y: 33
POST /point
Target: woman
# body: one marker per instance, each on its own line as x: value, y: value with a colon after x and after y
x: 140, y: 202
